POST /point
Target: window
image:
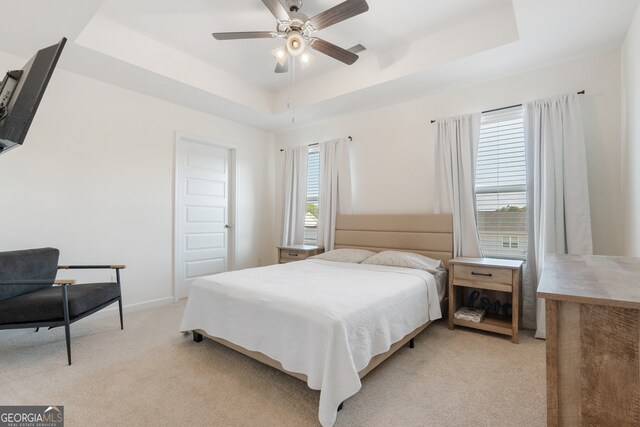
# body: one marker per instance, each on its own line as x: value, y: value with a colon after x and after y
x: 510, y: 242
x: 313, y: 191
x: 501, y: 191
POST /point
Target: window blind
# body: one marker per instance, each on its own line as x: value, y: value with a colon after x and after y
x: 501, y: 195
x: 313, y: 193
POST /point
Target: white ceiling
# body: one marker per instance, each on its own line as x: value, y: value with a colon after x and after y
x: 187, y: 26
x: 164, y: 48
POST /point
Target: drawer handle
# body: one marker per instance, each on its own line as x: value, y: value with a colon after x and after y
x: 473, y: 273
x: 293, y: 254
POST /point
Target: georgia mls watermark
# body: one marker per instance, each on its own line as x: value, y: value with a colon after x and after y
x: 31, y: 416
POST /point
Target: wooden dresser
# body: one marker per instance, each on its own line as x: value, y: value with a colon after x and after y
x: 593, y: 334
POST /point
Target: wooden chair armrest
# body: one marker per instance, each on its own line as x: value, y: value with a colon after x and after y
x: 87, y: 267
x: 64, y: 282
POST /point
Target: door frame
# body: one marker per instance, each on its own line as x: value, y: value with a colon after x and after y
x: 231, y: 210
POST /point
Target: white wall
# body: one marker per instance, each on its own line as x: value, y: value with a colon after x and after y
x: 392, y: 147
x: 95, y: 179
x: 631, y: 139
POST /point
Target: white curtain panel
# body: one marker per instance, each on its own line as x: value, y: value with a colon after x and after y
x: 295, y: 195
x: 558, y: 219
x: 335, y: 189
x: 456, y: 151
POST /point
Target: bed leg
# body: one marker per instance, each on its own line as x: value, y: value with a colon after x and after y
x: 340, y: 407
x: 411, y: 343
x: 197, y: 337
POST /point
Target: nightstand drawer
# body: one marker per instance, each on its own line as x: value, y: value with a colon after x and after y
x: 297, y: 252
x: 293, y: 255
x: 483, y: 274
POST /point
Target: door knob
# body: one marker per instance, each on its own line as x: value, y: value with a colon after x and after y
x: 227, y: 226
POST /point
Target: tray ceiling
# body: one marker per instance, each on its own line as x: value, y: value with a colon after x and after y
x: 164, y: 48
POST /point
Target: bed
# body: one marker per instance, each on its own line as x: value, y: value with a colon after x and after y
x: 329, y: 323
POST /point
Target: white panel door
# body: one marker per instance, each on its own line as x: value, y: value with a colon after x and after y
x: 202, y: 211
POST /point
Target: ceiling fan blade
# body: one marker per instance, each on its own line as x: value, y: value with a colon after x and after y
x: 357, y: 48
x: 244, y: 35
x: 339, y: 13
x: 334, y: 51
x: 282, y: 68
x: 277, y: 9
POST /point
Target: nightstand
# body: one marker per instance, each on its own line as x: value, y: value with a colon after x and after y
x: 297, y: 252
x: 491, y: 275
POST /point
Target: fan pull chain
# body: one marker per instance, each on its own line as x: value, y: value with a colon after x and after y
x: 293, y: 89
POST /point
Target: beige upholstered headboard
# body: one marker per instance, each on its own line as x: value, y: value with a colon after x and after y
x: 427, y: 234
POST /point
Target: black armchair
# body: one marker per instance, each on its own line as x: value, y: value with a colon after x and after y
x: 31, y: 297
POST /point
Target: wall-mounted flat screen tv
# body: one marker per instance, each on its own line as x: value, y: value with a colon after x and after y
x: 21, y: 92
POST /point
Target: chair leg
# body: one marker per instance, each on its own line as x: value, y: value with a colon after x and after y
x: 67, y: 331
x: 411, y: 343
x: 38, y: 328
x: 120, y: 307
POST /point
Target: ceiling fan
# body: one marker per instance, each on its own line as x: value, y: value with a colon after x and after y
x: 299, y: 31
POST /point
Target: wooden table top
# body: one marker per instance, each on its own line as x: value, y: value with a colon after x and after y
x: 592, y: 279
x: 300, y: 247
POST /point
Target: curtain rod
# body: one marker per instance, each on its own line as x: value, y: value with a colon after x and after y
x: 317, y: 143
x: 510, y: 106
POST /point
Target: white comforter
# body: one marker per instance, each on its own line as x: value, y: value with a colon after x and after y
x: 320, y: 318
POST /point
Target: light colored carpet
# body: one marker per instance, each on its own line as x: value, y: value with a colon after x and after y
x: 151, y: 375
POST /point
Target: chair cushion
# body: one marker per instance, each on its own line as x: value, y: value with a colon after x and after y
x: 30, y: 264
x: 46, y: 304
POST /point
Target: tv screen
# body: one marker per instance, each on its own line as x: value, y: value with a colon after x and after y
x: 21, y: 92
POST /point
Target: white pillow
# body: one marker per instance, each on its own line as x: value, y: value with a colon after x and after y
x: 345, y: 255
x: 407, y: 260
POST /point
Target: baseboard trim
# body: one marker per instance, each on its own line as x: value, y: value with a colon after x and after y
x: 129, y: 308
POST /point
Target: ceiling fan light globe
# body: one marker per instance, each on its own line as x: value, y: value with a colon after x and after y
x: 296, y: 44
x: 280, y: 54
x: 306, y: 59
